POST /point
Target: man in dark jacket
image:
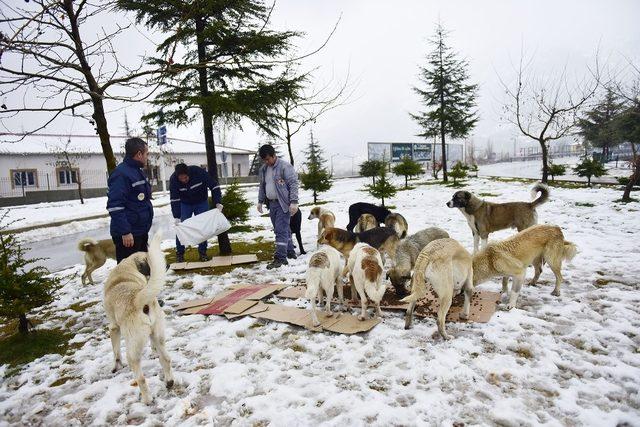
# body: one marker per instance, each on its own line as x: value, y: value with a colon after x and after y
x: 188, y: 188
x: 129, y: 201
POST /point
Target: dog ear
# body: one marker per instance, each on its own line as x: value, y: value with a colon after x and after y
x: 143, y: 267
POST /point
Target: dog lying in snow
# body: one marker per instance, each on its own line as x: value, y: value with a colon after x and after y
x: 365, y: 270
x: 323, y: 274
x: 512, y: 256
x: 406, y: 254
x: 325, y: 218
x: 96, y: 253
x: 447, y: 266
x: 132, y: 310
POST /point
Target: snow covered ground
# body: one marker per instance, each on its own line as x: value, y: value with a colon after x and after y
x: 569, y: 360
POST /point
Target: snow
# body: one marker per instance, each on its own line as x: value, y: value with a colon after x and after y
x: 568, y: 360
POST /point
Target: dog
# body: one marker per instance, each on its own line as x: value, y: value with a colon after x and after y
x: 295, y: 223
x: 448, y: 268
x: 365, y: 222
x: 398, y: 223
x: 357, y: 209
x: 132, y: 310
x: 512, y: 256
x: 322, y: 275
x: 365, y: 270
x: 325, y: 218
x: 406, y: 254
x: 486, y: 217
x: 381, y: 238
x: 96, y: 253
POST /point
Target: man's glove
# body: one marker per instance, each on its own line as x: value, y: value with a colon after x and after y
x: 219, y: 207
x: 259, y: 207
x: 293, y: 208
x: 176, y: 221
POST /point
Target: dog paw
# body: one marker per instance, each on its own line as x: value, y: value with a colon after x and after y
x: 169, y: 384
x: 361, y: 317
x: 464, y: 316
x: 147, y: 400
x: 329, y: 313
x: 511, y: 306
x: 446, y: 337
x: 555, y: 293
x: 316, y: 324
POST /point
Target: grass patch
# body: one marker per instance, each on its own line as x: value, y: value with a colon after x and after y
x: 584, y: 204
x: 19, y: 349
x: 456, y: 184
x: 626, y: 201
x: 390, y: 207
x: 61, y: 381
x: 321, y: 202
x: 488, y: 195
x: 263, y: 249
x: 242, y: 228
x: 434, y: 182
x: 405, y: 189
x: 79, y: 307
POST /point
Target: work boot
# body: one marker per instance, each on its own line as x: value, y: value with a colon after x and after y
x: 204, y: 258
x: 179, y: 257
x: 277, y: 263
x: 292, y: 255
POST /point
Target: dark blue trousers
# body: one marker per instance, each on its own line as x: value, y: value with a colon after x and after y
x: 280, y: 221
x: 186, y: 212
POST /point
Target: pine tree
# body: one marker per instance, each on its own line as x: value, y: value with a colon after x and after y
x: 382, y: 188
x: 557, y: 170
x: 21, y: 289
x: 627, y: 128
x: 598, y: 126
x: 236, y: 206
x: 407, y: 167
x: 316, y: 177
x: 127, y: 129
x: 448, y: 98
x: 590, y: 167
x: 372, y: 168
x: 225, y: 72
x: 458, y: 172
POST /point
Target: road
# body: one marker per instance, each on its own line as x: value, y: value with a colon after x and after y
x: 62, y: 252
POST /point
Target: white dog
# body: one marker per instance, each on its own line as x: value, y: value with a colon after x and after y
x: 322, y: 275
x: 325, y: 218
x: 366, y: 274
x: 132, y: 309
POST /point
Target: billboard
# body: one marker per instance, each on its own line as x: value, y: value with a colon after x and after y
x: 401, y: 150
x: 379, y: 151
x: 421, y: 152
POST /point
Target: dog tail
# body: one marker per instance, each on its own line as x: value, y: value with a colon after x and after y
x: 544, y: 194
x: 157, y: 267
x: 313, y: 283
x: 569, y: 251
x: 418, y: 282
x: 85, y: 244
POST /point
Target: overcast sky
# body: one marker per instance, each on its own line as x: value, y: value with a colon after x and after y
x: 383, y: 43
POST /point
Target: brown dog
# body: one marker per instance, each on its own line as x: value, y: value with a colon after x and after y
x: 325, y: 218
x: 95, y: 255
x: 398, y: 223
x: 486, y: 217
x: 382, y: 238
x: 365, y: 222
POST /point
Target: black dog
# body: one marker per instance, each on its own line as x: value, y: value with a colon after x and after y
x: 295, y: 223
x: 357, y: 209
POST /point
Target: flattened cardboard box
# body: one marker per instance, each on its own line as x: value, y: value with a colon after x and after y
x: 217, y: 261
x: 483, y: 304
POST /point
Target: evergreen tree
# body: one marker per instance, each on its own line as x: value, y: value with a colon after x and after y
x: 407, y: 167
x: 236, y: 206
x: 127, y: 129
x: 458, y: 172
x: 382, y: 188
x: 627, y: 128
x: 372, y: 168
x: 224, y: 72
x: 316, y: 177
x: 21, y: 289
x: 448, y: 98
x: 598, y: 126
x: 557, y: 170
x: 590, y: 167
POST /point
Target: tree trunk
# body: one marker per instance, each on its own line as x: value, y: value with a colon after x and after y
x: 103, y: 133
x: 289, y: 148
x: 207, y: 120
x: 545, y: 161
x: 23, y: 325
x: 633, y: 179
x: 406, y: 181
x: 315, y: 197
x: 589, y: 181
x: 382, y: 197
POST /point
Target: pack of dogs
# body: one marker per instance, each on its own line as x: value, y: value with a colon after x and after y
x: 375, y: 241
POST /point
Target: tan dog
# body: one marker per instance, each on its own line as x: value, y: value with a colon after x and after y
x: 365, y: 222
x: 512, y: 256
x: 132, y: 310
x: 365, y: 270
x: 398, y: 223
x: 325, y: 218
x: 447, y: 266
x: 96, y: 253
x: 486, y: 217
x: 381, y: 238
x: 322, y: 275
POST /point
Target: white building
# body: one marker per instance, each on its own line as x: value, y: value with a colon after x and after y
x: 45, y: 162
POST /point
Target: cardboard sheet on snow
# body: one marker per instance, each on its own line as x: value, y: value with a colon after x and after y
x: 229, y: 301
x: 218, y: 261
x: 483, y: 304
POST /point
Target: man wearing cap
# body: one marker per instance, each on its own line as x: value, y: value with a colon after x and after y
x: 188, y: 192
x: 129, y: 201
x: 279, y: 191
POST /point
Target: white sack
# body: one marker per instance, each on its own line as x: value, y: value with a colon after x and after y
x: 202, y: 227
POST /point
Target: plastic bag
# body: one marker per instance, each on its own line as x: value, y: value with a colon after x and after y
x: 202, y: 227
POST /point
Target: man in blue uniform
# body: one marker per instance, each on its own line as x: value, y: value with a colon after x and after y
x: 279, y: 190
x: 188, y: 188
x: 129, y: 201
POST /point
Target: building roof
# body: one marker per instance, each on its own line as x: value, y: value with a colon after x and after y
x: 90, y: 144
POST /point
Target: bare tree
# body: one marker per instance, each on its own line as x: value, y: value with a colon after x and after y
x: 470, y: 148
x: 545, y: 108
x: 49, y: 69
x: 489, y: 150
x: 307, y: 103
x: 67, y: 164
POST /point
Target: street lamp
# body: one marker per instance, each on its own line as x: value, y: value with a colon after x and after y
x: 351, y: 157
